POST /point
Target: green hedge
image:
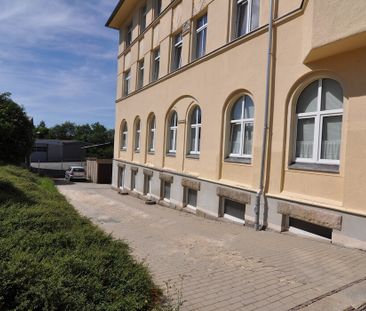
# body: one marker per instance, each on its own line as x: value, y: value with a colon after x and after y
x: 51, y: 258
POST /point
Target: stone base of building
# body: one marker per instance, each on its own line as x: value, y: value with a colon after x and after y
x: 214, y: 200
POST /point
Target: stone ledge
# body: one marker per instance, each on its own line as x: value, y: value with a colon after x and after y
x: 235, y: 195
x: 134, y: 168
x: 148, y: 172
x: 191, y: 184
x: 305, y: 213
x: 166, y: 177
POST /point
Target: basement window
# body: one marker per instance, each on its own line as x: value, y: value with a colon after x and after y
x: 234, y: 211
x: 147, y: 184
x: 133, y: 180
x: 190, y: 198
x: 309, y: 229
x: 166, y: 190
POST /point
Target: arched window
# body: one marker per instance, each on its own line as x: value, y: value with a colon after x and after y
x: 319, y: 112
x: 241, y: 128
x: 124, y: 133
x: 195, y: 131
x: 151, y: 134
x: 137, y: 134
x: 172, y: 133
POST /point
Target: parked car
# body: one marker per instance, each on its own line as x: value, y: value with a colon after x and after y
x: 75, y: 173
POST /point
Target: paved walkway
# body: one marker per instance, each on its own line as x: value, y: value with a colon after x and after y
x: 214, y: 265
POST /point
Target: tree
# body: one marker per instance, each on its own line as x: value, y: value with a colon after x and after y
x: 16, y: 131
x: 41, y: 131
x: 64, y: 131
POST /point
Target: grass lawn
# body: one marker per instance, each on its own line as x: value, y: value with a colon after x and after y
x: 51, y: 258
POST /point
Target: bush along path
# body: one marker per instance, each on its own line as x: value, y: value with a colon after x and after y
x: 51, y: 258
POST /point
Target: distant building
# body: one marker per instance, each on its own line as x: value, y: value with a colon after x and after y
x: 53, y: 150
x: 246, y: 111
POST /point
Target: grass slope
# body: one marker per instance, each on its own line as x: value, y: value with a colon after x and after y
x: 53, y: 259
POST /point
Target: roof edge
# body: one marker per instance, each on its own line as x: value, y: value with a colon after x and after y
x: 116, y: 9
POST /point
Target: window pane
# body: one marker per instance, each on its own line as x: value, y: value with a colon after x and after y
x: 171, y: 140
x: 201, y: 43
x: 332, y: 95
x: 242, y: 13
x: 248, y: 138
x: 331, y: 137
x: 254, y: 23
x: 151, y: 140
x: 248, y: 108
x: 235, y: 138
x: 166, y: 190
x: 236, y: 110
x: 308, y: 99
x: 194, y: 116
x: 173, y: 119
x: 202, y: 21
x: 192, y: 197
x: 305, y: 138
x: 234, y: 209
x: 198, y: 115
x: 193, y: 139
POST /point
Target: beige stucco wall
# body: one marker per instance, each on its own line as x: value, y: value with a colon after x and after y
x: 240, y: 68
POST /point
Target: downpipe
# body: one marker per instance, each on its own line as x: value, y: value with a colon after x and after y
x: 260, y: 193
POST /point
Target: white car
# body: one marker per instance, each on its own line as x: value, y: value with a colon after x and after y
x: 75, y: 173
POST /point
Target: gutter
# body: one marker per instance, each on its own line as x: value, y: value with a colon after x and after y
x: 260, y: 193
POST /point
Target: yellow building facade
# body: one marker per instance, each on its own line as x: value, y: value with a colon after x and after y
x: 250, y: 110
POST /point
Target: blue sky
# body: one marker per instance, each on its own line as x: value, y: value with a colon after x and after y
x: 58, y: 60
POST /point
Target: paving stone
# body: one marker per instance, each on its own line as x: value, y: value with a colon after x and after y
x: 214, y: 265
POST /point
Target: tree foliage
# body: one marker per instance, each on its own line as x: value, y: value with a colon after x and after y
x: 16, y: 131
x: 94, y: 134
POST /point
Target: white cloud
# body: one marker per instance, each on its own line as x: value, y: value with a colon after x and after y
x: 58, y: 59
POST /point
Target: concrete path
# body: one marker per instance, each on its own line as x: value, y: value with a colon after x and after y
x: 213, y: 265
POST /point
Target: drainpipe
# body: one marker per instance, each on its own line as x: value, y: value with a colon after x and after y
x: 266, y: 126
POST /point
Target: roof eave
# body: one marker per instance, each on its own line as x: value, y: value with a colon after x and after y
x: 110, y: 19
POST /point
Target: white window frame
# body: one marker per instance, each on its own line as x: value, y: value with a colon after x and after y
x: 196, y: 126
x: 124, y: 136
x: 137, y: 135
x: 127, y: 82
x: 200, y: 46
x: 172, y: 130
x: 186, y: 196
x: 141, y: 69
x: 152, y: 134
x: 177, y: 44
x: 156, y: 65
x: 318, y: 117
x: 243, y: 122
x: 248, y: 17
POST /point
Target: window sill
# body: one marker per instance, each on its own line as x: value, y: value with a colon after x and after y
x: 193, y: 156
x: 170, y: 154
x: 238, y: 160
x: 151, y: 152
x: 124, y: 150
x: 315, y: 167
x: 137, y: 151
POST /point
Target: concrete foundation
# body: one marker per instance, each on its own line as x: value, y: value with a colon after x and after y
x: 347, y: 229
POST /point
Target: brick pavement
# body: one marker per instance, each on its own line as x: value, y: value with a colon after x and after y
x: 214, y: 265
